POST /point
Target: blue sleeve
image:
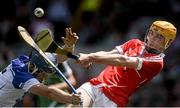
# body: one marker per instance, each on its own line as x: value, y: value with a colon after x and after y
x: 20, y: 62
x: 20, y: 78
x: 20, y: 70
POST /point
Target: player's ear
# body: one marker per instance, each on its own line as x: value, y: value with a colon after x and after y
x: 31, y: 66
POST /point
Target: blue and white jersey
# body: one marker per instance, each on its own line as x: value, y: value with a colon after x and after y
x: 15, y: 80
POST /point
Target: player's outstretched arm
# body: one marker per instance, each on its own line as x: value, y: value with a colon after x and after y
x: 55, y: 94
x: 109, y: 58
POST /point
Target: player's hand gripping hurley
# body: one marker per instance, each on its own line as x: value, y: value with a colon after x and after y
x: 25, y: 35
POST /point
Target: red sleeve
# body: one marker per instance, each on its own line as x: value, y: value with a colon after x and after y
x: 129, y: 44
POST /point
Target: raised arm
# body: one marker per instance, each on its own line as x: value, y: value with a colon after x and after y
x: 69, y: 43
x: 70, y: 40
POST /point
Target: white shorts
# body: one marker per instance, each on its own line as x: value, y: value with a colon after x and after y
x: 98, y: 97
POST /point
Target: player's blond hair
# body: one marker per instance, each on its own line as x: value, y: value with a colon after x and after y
x: 166, y: 29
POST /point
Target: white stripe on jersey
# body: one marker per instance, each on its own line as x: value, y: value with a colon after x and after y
x: 138, y: 74
x: 103, y: 84
x: 153, y: 59
x: 119, y: 49
x: 140, y: 63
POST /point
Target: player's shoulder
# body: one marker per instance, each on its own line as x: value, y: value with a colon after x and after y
x: 19, y: 67
x: 20, y: 61
x: 134, y: 43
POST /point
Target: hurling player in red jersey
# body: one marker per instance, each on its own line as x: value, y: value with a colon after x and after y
x: 129, y: 66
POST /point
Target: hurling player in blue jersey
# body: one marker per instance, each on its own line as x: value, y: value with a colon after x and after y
x: 25, y: 74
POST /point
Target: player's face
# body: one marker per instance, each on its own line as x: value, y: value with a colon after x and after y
x: 155, y: 41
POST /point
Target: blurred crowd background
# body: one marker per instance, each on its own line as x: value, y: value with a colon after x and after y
x: 100, y: 25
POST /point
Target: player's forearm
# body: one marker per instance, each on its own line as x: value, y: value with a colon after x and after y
x: 59, y: 95
x: 63, y: 85
x: 51, y: 93
x: 114, y: 59
x: 114, y: 51
x: 107, y: 58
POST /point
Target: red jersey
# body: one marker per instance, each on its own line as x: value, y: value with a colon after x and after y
x: 118, y: 83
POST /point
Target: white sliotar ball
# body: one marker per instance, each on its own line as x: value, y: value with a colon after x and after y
x: 38, y: 12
